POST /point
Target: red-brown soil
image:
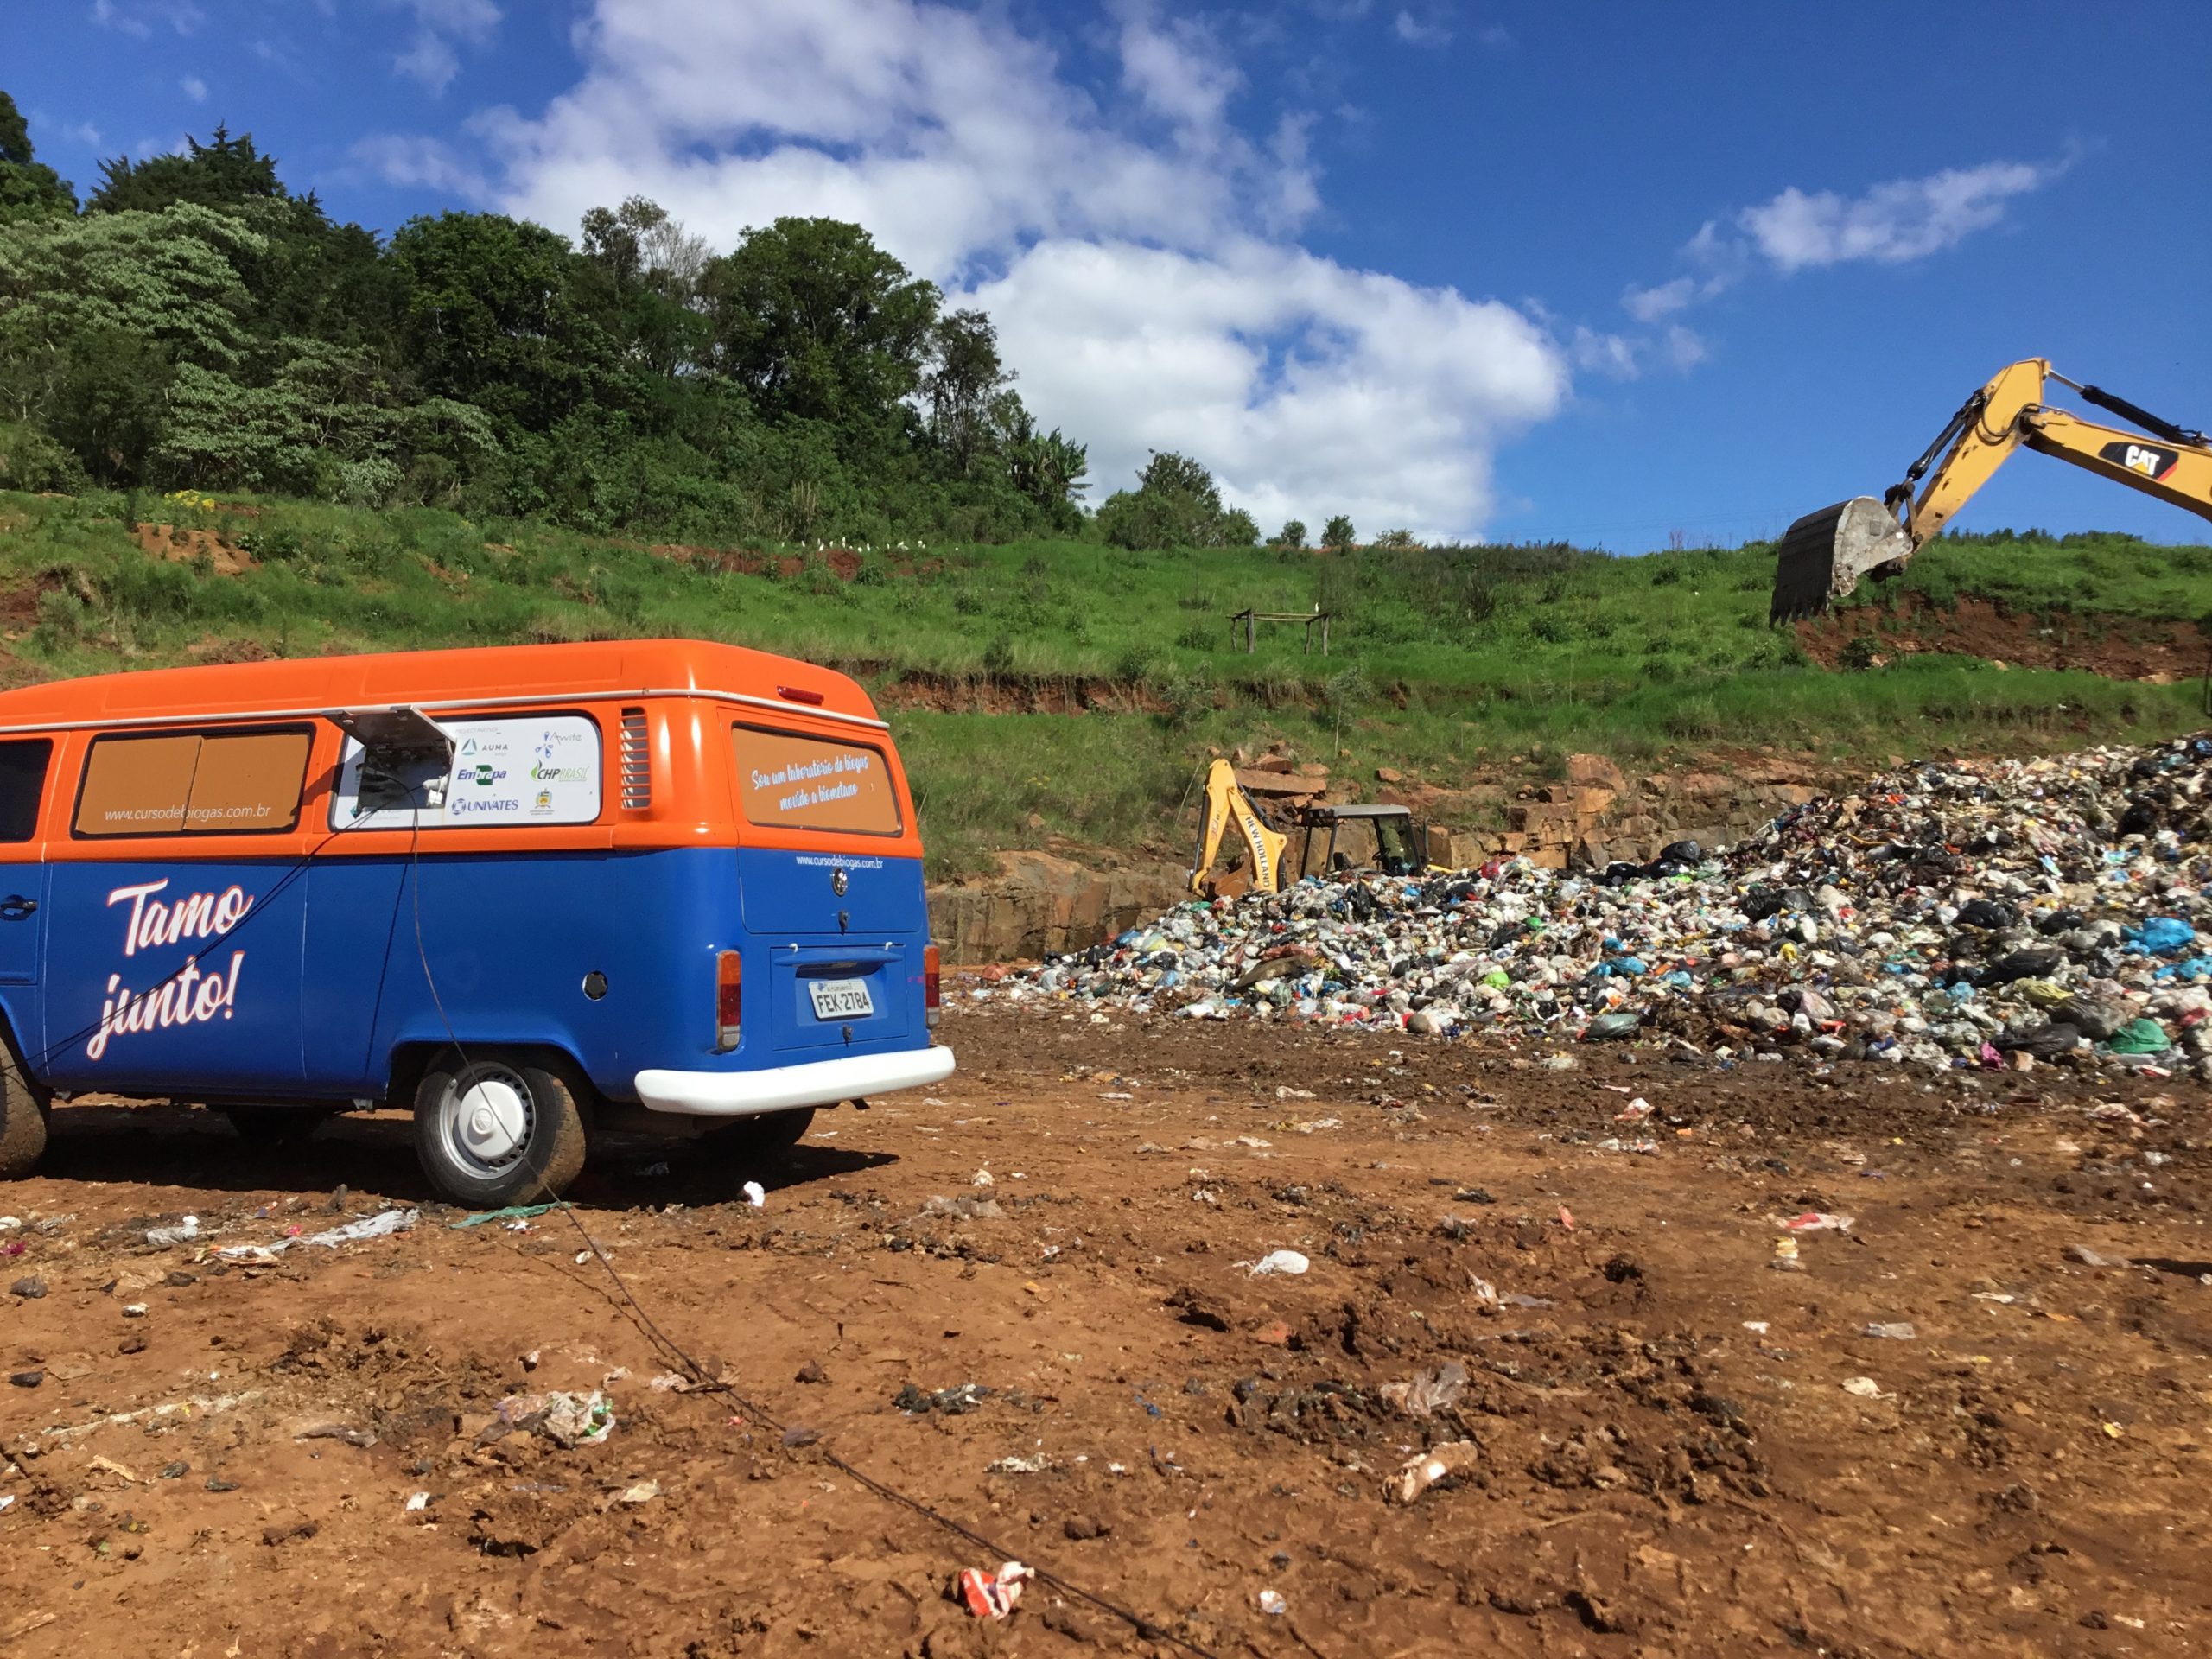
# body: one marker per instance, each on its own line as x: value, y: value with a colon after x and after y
x: 2119, y: 649
x: 1669, y: 1460
x: 185, y: 546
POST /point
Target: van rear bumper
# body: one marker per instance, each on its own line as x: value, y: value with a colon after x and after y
x: 779, y: 1088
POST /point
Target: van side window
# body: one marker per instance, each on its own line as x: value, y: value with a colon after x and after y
x: 193, y: 783
x: 787, y: 781
x: 22, y: 783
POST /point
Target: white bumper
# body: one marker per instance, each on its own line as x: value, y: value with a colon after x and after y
x: 776, y: 1089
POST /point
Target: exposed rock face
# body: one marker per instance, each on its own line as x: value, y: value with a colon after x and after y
x: 1040, y: 904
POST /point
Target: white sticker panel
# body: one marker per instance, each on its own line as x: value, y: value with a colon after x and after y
x: 514, y: 770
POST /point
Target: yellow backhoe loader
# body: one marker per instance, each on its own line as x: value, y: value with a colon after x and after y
x: 1822, y: 557
x: 1400, y: 839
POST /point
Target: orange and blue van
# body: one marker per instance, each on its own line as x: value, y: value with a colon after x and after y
x: 659, y: 884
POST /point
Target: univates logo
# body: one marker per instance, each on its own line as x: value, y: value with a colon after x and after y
x: 189, y: 996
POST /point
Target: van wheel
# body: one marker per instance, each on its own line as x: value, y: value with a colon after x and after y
x: 768, y: 1136
x: 497, y: 1129
x: 275, y: 1126
x: 22, y: 1125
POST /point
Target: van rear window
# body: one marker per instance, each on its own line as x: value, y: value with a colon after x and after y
x: 22, y: 782
x: 790, y: 782
x: 192, y: 783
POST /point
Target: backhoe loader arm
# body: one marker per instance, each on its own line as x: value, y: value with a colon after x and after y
x: 1225, y: 797
x: 1823, y: 555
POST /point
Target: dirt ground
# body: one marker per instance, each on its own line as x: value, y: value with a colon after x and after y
x: 1677, y: 1448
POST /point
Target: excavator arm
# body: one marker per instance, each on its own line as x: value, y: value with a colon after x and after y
x: 1822, y: 557
x: 1225, y: 797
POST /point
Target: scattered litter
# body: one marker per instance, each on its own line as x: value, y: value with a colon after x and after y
x: 1271, y: 1604
x: 983, y: 1178
x: 643, y: 1491
x: 1427, y: 1392
x: 30, y: 1289
x: 383, y: 1225
x: 755, y: 1194
x: 952, y: 1402
x: 1815, y: 1221
x: 1785, y: 1256
x: 419, y: 1501
x: 964, y: 1208
x: 567, y: 1420
x: 162, y: 1238
x: 2089, y: 1258
x: 360, y: 1437
x: 512, y: 1212
x: 1864, y: 1386
x: 1425, y: 1469
x: 1274, y: 1261
x: 1757, y: 1327
x: 1035, y: 1464
x: 993, y: 1595
x: 1901, y: 1331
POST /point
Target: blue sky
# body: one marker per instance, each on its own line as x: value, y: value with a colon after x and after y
x: 1600, y: 271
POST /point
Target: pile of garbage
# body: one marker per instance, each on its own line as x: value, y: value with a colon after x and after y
x: 1951, y: 914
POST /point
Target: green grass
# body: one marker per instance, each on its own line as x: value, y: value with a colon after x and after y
x: 1442, y: 661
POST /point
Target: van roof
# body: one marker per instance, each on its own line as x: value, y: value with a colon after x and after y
x: 484, y: 675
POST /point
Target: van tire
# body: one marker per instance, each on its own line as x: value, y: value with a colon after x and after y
x: 757, y: 1139
x: 522, y: 1142
x: 22, y: 1125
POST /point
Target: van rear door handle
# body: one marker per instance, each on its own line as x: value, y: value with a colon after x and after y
x: 16, y: 906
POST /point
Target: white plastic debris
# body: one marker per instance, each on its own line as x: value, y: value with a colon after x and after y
x: 1285, y: 1262
x: 756, y: 1195
x: 162, y: 1238
x: 419, y: 1501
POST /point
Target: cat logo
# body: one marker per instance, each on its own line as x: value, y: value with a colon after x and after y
x: 2146, y: 459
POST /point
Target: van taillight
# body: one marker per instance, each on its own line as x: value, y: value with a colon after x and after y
x: 729, y: 1000
x: 930, y: 983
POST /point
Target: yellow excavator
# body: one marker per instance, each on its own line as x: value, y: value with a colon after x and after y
x: 1822, y: 557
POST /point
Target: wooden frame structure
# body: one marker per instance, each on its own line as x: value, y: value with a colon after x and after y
x: 1251, y: 619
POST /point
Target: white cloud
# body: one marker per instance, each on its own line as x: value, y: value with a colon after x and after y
x: 414, y: 163
x: 1891, y: 224
x: 1133, y: 240
x: 1906, y: 219
x: 1415, y: 31
x: 194, y: 88
x: 137, y: 17
x: 85, y: 133
x: 430, y: 57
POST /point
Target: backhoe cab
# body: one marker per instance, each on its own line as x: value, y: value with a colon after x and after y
x: 1823, y: 556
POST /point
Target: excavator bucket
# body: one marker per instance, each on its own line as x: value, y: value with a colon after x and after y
x: 1822, y: 556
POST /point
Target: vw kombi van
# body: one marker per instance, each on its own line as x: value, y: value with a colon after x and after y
x: 519, y: 890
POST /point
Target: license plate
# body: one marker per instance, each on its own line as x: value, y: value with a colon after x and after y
x: 840, y: 999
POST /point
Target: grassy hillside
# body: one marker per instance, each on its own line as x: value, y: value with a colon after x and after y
x: 1442, y: 662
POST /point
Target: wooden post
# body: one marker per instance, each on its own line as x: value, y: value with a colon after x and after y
x: 1251, y: 631
x: 1324, y: 634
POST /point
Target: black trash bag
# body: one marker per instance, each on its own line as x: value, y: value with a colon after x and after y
x: 1681, y: 852
x: 1762, y: 902
x: 2022, y: 964
x: 1963, y: 974
x: 1619, y: 872
x: 2059, y: 921
x: 1987, y: 913
x: 2141, y: 818
x: 1505, y: 933
x: 2044, y: 1042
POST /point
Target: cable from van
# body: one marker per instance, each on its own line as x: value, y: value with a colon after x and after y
x: 1146, y: 1628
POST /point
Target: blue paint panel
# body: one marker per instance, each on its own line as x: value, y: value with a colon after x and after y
x: 22, y: 921
x: 332, y: 980
x: 793, y: 895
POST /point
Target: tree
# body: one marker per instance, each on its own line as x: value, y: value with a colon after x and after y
x: 817, y: 322
x: 96, y: 312
x: 1399, y: 539
x: 226, y: 173
x: 965, y: 375
x: 490, y: 318
x: 1338, y: 533
x: 1292, y: 533
x: 1176, y: 504
x: 29, y: 189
